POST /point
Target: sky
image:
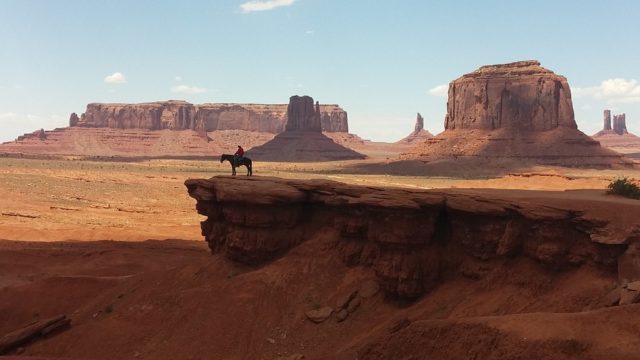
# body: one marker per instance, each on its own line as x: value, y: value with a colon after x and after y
x: 382, y: 60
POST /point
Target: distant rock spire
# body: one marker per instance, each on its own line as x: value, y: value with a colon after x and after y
x: 419, y: 124
x: 607, y: 120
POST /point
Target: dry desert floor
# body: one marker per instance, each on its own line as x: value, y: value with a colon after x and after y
x: 116, y: 246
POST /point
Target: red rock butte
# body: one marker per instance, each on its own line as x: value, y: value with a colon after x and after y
x: 517, y: 111
x: 617, y: 136
x: 302, y: 139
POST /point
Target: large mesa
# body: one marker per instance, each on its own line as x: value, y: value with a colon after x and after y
x: 181, y: 115
x: 519, y: 111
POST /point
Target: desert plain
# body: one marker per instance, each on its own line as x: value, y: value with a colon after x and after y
x: 117, y: 247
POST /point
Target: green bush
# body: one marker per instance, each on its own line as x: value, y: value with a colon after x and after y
x: 624, y: 187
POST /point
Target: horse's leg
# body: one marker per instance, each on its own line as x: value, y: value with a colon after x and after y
x: 233, y: 170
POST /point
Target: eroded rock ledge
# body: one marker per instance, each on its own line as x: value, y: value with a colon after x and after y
x: 410, y: 238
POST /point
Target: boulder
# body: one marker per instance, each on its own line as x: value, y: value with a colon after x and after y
x: 319, y: 315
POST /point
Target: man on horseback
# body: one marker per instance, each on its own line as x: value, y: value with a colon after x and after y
x: 238, y: 156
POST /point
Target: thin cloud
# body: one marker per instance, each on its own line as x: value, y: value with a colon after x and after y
x: 8, y: 115
x: 440, y: 90
x: 115, y: 78
x: 186, y: 89
x: 262, y: 5
x: 616, y: 90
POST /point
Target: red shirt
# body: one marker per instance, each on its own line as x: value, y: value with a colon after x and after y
x: 240, y: 152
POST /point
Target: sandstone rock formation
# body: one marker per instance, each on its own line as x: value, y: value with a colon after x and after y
x: 107, y: 142
x: 518, y: 110
x: 181, y: 115
x: 419, y: 133
x: 73, y: 120
x: 607, y: 120
x: 617, y: 137
x: 620, y: 123
x: 410, y: 238
x: 521, y: 95
x: 302, y: 115
x: 302, y: 139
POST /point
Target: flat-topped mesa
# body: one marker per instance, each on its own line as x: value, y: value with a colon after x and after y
x: 521, y: 96
x: 514, y: 112
x: 181, y: 115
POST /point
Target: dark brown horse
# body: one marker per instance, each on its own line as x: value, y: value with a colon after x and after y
x: 243, y: 161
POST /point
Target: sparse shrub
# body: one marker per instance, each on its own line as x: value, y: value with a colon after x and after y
x: 108, y: 309
x: 624, y: 187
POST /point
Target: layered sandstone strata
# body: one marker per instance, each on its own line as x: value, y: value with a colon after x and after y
x: 302, y: 139
x: 411, y: 239
x: 181, y: 115
x: 514, y: 111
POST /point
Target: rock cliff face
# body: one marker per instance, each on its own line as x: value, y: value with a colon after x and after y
x: 302, y: 115
x: 620, y: 124
x: 521, y: 95
x: 607, y: 120
x: 412, y: 239
x: 518, y: 111
x: 181, y: 115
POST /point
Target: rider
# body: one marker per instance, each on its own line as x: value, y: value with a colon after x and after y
x: 238, y: 156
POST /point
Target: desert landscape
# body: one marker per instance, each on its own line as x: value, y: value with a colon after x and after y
x: 135, y: 232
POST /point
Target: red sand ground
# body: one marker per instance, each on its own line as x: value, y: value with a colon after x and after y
x: 171, y: 299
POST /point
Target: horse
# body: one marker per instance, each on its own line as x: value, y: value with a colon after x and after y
x: 243, y: 161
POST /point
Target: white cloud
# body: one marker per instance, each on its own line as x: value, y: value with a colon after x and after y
x: 33, y: 117
x: 8, y: 115
x: 611, y: 90
x: 186, y: 89
x: 440, y: 90
x: 264, y: 5
x: 115, y: 78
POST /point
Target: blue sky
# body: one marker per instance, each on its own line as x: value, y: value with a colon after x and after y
x: 382, y: 61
